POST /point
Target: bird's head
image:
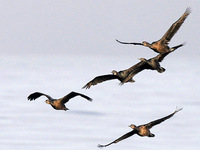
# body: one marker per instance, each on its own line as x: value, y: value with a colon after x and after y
x: 48, y: 102
x: 114, y: 72
x: 133, y: 126
x: 144, y: 43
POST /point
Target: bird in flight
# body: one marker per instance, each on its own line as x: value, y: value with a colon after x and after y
x: 127, y: 75
x: 152, y: 63
x: 141, y: 130
x: 58, y: 104
x: 161, y: 46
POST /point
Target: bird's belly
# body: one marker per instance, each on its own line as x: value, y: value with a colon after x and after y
x: 160, y: 48
x: 144, y: 132
x: 58, y: 106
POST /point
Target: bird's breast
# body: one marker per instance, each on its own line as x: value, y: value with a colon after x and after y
x: 143, y: 131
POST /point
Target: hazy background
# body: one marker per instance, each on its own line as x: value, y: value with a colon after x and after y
x: 57, y: 46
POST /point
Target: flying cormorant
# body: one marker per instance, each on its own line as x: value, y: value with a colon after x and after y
x: 58, y: 104
x: 141, y: 130
x: 161, y: 46
x: 125, y: 76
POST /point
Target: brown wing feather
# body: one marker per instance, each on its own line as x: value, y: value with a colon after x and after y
x: 153, y: 123
x: 135, y: 69
x: 35, y: 95
x: 120, y: 139
x: 161, y: 56
x: 73, y: 94
x: 100, y: 79
x: 175, y: 26
x: 129, y: 43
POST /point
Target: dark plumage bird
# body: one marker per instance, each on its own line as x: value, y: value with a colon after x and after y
x: 125, y: 76
x: 58, y: 104
x: 121, y: 75
x: 142, y: 130
x: 161, y: 46
x: 152, y: 63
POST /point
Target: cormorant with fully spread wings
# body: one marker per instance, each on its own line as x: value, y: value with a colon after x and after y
x: 141, y: 130
x: 58, y: 104
x: 161, y: 46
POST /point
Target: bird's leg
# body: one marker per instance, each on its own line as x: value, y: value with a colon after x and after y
x: 151, y: 135
x: 161, y: 70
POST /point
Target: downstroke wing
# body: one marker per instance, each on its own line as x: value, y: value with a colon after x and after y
x: 120, y: 138
x: 100, y: 79
x: 129, y: 43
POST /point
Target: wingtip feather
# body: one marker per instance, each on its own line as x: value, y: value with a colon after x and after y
x: 178, y: 109
x: 188, y: 10
x: 101, y: 146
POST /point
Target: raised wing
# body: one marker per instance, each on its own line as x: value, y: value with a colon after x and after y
x: 73, y: 94
x: 119, y: 139
x: 153, y: 123
x: 35, y: 95
x: 175, y: 27
x: 100, y: 79
x: 129, y: 43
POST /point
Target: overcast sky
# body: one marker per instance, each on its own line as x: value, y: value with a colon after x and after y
x: 91, y: 26
x: 87, y: 30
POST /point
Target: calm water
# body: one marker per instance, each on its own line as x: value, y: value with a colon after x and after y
x: 35, y: 125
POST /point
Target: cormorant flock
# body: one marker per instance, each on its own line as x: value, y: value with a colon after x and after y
x: 124, y: 76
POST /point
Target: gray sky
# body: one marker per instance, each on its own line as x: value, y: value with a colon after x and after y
x: 91, y: 27
x: 78, y: 39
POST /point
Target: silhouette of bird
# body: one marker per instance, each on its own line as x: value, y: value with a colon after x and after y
x: 141, y: 130
x: 58, y: 104
x: 161, y: 46
x: 127, y: 75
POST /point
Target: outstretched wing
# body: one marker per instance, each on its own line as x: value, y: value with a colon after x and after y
x: 161, y: 56
x: 100, y: 79
x: 119, y: 139
x: 73, y: 94
x: 153, y: 123
x: 129, y: 43
x: 35, y: 95
x: 175, y: 27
